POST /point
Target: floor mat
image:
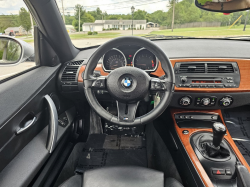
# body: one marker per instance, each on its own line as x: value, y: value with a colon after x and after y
x: 238, y: 124
x: 112, y: 150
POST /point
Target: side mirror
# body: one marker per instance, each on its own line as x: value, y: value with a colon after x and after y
x: 225, y: 6
x: 14, y: 51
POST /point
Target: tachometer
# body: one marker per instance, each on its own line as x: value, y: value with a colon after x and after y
x: 114, y: 59
x: 145, y: 60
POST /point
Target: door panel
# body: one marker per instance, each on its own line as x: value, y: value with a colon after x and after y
x: 26, y: 152
x: 21, y: 96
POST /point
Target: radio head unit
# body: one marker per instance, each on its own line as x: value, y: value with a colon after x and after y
x: 207, y: 74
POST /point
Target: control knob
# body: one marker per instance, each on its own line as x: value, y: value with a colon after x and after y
x: 185, y: 101
x: 226, y: 101
x: 184, y: 79
x: 205, y: 101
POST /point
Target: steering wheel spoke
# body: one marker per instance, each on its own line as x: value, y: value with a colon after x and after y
x: 98, y: 83
x: 157, y: 84
x: 126, y: 112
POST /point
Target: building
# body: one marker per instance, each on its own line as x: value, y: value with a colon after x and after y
x: 151, y: 24
x: 70, y: 29
x: 16, y: 30
x: 100, y: 25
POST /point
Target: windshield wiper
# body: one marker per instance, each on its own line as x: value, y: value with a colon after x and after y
x: 238, y: 37
x: 155, y: 36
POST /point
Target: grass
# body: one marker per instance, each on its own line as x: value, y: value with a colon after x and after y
x: 77, y: 36
x: 206, y: 31
x: 29, y: 40
x: 99, y: 35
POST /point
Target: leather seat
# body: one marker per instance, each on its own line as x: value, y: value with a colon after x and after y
x: 121, y: 176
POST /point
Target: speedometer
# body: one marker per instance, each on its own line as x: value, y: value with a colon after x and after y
x: 114, y: 59
x: 145, y: 60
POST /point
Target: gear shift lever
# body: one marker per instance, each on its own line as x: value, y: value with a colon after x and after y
x: 219, y: 130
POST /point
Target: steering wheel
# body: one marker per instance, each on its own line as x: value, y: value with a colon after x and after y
x: 129, y: 85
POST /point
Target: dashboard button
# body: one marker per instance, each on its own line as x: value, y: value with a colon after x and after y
x: 228, y: 172
x: 219, y: 86
x: 218, y: 171
x: 203, y: 85
x: 229, y: 78
x: 195, y: 85
x: 210, y: 86
x: 228, y: 86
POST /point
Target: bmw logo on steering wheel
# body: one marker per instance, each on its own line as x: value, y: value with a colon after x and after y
x: 127, y: 82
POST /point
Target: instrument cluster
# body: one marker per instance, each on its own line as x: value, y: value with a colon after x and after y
x: 134, y: 56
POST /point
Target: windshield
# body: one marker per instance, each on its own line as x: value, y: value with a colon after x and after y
x: 102, y: 20
x: 94, y: 22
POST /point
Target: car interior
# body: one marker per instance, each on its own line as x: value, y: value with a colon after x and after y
x: 131, y: 112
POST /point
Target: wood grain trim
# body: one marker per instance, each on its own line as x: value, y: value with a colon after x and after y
x: 185, y: 139
x: 244, y: 67
x: 98, y: 68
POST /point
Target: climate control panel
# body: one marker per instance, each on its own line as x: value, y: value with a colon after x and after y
x: 205, y: 101
x: 226, y: 101
x: 185, y: 101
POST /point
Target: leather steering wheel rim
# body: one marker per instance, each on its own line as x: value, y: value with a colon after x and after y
x: 169, y: 79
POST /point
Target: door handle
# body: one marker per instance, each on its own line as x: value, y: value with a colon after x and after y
x: 27, y: 125
x: 53, y: 124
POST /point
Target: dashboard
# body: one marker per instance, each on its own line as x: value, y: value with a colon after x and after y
x: 127, y: 55
x: 203, y: 84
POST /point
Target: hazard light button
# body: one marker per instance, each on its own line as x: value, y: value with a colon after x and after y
x: 218, y: 171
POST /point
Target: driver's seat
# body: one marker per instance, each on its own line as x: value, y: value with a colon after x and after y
x: 121, y: 176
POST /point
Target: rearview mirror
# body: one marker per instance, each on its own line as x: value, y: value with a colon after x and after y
x: 225, y: 6
x: 14, y: 51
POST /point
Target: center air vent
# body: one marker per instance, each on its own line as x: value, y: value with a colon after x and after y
x: 69, y: 74
x: 75, y: 63
x: 220, y: 68
x: 192, y: 68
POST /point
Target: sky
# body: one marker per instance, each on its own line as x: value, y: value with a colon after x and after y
x: 110, y: 6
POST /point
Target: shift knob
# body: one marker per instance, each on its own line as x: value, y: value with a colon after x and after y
x: 219, y: 130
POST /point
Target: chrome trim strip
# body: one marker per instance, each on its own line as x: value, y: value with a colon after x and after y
x: 239, y: 139
x: 109, y: 51
x: 53, y: 125
x: 26, y: 127
x: 157, y: 61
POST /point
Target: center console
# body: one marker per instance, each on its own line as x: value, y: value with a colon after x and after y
x: 210, y: 147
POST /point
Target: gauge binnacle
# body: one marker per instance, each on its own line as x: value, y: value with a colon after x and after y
x: 145, y: 60
x: 114, y: 59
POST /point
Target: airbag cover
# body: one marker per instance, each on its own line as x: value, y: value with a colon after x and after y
x: 128, y: 84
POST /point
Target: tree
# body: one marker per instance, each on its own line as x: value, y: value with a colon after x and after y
x: 84, y: 17
x: 8, y: 21
x: 69, y: 19
x: 140, y: 15
x: 97, y: 14
x: 24, y: 17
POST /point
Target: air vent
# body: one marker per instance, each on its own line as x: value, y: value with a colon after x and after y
x: 75, y: 63
x: 220, y: 68
x: 69, y: 74
x: 192, y: 68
